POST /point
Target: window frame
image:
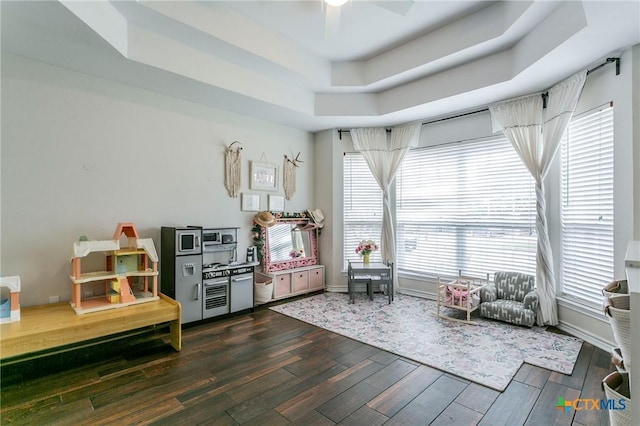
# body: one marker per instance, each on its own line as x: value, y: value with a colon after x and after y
x: 358, y: 180
x: 460, y: 226
x: 600, y: 268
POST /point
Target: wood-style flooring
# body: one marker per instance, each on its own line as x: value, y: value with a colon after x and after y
x: 263, y: 368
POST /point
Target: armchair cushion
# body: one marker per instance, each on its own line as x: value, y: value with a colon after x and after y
x: 531, y: 301
x: 513, y: 285
x: 511, y: 298
x: 488, y: 293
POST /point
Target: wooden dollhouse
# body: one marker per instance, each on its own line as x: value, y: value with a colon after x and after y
x: 130, y: 275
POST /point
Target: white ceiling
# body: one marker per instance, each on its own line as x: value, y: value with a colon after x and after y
x: 314, y: 67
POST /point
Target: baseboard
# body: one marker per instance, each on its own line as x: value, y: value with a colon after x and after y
x: 336, y: 288
x: 417, y: 293
x: 585, y: 335
x: 409, y: 292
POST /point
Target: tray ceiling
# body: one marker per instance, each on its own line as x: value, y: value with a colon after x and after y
x: 299, y: 64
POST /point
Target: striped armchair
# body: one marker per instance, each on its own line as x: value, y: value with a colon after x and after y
x: 511, y: 298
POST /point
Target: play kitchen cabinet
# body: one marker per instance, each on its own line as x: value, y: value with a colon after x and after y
x: 224, y: 278
x: 292, y: 282
x: 181, y: 267
x: 200, y: 270
x: 242, y: 291
x: 220, y: 240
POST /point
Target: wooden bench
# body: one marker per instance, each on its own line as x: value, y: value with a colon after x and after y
x: 56, y: 325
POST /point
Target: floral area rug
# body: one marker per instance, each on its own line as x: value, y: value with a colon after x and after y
x: 489, y: 353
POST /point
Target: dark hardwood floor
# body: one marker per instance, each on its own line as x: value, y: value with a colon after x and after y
x: 264, y: 368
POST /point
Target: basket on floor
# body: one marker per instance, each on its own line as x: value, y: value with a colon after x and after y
x: 262, y: 288
x: 617, y: 310
x: 616, y: 288
x: 616, y: 388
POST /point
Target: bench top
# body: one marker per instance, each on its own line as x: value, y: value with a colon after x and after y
x: 49, y: 326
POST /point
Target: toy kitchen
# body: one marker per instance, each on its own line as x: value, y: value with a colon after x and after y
x: 199, y: 268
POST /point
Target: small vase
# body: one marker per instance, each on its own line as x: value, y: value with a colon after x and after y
x: 365, y: 259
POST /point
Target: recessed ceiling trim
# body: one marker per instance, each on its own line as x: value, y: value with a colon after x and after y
x: 218, y: 21
x: 149, y: 50
x: 487, y: 71
x: 155, y: 50
x: 104, y: 19
x: 439, y: 46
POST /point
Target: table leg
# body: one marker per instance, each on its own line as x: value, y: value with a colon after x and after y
x: 350, y: 289
x: 176, y: 334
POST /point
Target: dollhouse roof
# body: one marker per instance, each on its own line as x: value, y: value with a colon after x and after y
x: 84, y: 248
x: 13, y: 283
x: 127, y: 229
x: 149, y: 248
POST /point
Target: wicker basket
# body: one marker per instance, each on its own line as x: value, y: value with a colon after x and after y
x: 617, y: 309
x: 616, y: 388
x: 262, y: 288
x: 616, y: 288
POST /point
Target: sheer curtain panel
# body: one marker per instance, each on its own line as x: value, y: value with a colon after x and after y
x: 384, y: 153
x: 536, y: 138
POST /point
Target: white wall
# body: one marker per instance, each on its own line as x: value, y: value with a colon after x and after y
x: 329, y: 198
x: 601, y: 87
x: 635, y: 65
x: 80, y: 154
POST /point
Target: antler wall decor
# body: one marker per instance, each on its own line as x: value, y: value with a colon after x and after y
x: 232, y: 169
x: 289, y: 175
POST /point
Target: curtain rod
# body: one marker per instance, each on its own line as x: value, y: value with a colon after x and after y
x: 340, y: 131
x: 545, y: 95
x: 607, y: 61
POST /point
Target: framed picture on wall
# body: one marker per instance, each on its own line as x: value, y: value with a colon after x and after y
x: 264, y: 176
x: 250, y: 202
x: 276, y: 203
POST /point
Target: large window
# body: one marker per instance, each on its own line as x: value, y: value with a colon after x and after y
x: 466, y: 206
x: 362, y: 207
x: 587, y: 206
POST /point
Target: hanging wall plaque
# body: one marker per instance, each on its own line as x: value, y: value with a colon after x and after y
x: 264, y: 176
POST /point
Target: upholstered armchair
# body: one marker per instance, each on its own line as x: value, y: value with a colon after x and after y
x: 511, y: 298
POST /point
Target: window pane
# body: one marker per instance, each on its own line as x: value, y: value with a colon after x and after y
x: 466, y: 206
x: 362, y: 207
x: 587, y: 206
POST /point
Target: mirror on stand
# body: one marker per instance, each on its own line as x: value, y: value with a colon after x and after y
x: 290, y: 243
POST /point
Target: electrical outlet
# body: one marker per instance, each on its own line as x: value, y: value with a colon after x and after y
x: 88, y: 294
x: 54, y: 299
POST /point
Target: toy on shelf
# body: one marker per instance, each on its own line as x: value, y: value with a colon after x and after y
x: 127, y: 274
x: 9, y: 299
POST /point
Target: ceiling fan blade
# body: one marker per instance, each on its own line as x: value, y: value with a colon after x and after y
x: 400, y: 7
x: 331, y: 22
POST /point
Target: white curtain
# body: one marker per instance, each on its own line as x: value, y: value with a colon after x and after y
x: 536, y: 136
x: 384, y: 154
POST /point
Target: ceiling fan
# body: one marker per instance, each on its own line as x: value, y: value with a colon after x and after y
x: 332, y: 9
